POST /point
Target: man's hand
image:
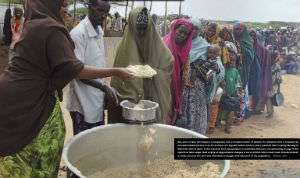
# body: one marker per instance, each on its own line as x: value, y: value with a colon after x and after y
x: 279, y: 81
x: 223, y: 84
x: 215, y: 67
x: 222, y: 43
x: 111, y: 96
x: 123, y: 73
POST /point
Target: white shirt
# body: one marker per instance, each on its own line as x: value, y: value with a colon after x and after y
x: 118, y: 24
x: 89, y: 48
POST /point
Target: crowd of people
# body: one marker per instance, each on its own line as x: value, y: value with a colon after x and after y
x: 283, y: 41
x: 283, y: 38
x: 223, y: 60
x: 45, y: 59
x: 115, y: 22
x: 205, y: 75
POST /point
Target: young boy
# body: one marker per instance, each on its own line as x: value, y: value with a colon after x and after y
x: 232, y: 88
x: 217, y: 76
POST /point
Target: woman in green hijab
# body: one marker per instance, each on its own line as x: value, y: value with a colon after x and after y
x: 245, y: 45
x: 141, y: 45
x: 246, y: 57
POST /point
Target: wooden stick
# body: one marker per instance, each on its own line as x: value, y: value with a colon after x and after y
x: 166, y: 13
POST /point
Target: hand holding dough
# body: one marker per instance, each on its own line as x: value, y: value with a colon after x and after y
x: 142, y: 71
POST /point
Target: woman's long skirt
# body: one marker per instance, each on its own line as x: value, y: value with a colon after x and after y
x: 194, y: 108
x: 41, y: 158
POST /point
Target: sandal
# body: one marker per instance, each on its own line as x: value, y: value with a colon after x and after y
x: 256, y: 112
x: 211, y: 130
x: 218, y: 124
x: 269, y: 116
x: 228, y: 130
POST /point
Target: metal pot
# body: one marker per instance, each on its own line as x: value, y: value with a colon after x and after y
x: 115, y: 145
x: 144, y: 114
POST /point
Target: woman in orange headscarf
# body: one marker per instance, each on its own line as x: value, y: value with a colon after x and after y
x: 212, y: 33
x: 16, y: 25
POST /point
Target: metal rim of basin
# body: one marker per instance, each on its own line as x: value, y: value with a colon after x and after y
x: 78, y: 173
x: 155, y: 105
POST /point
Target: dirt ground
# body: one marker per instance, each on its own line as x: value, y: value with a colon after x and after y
x: 3, y: 57
x: 285, y: 124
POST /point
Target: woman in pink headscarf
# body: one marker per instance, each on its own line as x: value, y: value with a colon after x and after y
x: 179, y: 41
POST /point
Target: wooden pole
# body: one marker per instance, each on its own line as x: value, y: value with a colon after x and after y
x: 144, y: 3
x: 132, y: 5
x: 180, y: 3
x: 150, y: 6
x: 74, y: 11
x: 23, y: 3
x: 126, y: 9
x: 166, y: 15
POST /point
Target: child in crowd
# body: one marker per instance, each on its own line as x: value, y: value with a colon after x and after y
x: 210, y: 68
x: 232, y: 88
x: 217, y: 76
x: 276, y: 80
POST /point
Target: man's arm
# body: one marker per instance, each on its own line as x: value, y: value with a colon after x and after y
x: 111, y: 95
x: 90, y: 72
x: 94, y: 84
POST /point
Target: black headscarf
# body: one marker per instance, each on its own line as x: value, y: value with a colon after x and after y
x: 142, y: 19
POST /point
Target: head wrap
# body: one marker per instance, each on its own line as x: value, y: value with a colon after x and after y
x: 196, y: 22
x: 247, y: 52
x: 263, y: 56
x: 199, y: 45
x: 142, y: 18
x: 140, y: 50
x: 214, y: 39
x: 226, y: 30
x: 181, y: 54
x: 231, y: 47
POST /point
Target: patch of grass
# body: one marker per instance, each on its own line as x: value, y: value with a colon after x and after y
x: 12, y: 1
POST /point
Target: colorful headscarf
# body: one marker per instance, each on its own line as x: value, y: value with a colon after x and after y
x: 225, y: 55
x: 142, y: 18
x: 196, y: 22
x: 199, y: 49
x: 199, y: 45
x: 247, y: 52
x: 231, y: 47
x: 226, y: 30
x: 224, y: 50
x: 215, y: 39
x: 181, y: 54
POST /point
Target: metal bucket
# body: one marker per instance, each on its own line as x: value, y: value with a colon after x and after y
x: 146, y: 113
x: 115, y: 145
